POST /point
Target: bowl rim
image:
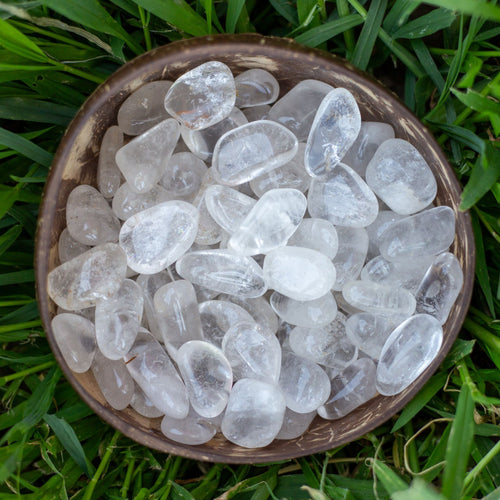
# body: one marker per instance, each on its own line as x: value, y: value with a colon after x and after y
x: 137, y: 68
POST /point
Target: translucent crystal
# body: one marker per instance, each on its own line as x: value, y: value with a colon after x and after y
x: 89, y: 219
x: 151, y: 368
x: 408, y: 351
x: 257, y: 112
x: 303, y: 383
x: 310, y: 313
x: 427, y: 233
x: 296, y: 109
x: 342, y: 197
x: 114, y: 380
x: 383, y: 299
x: 75, y: 338
x: 144, y: 108
x: 117, y: 320
x: 208, y: 377
x: 270, y: 223
x: 93, y: 275
x: 384, y: 219
x: 334, y: 129
x: 252, y: 352
x: 440, y: 287
x: 295, y: 424
x: 108, y: 174
x: 88, y: 312
x: 192, y: 430
x: 401, y: 177
x: 143, y: 405
x: 127, y: 202
x: 299, y: 273
x: 318, y: 234
x: 350, y: 389
x: 143, y: 160
x: 68, y: 248
x: 223, y: 271
x: 254, y: 413
x: 255, y: 87
x: 203, y: 96
x: 251, y: 150
x: 156, y: 237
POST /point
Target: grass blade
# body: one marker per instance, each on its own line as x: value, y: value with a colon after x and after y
x: 15, y: 41
x: 426, y: 25
x: 418, y: 490
x: 233, y: 14
x: 389, y: 479
x: 33, y: 110
x: 486, y: 10
x: 25, y: 147
x: 9, y: 237
x: 399, y: 14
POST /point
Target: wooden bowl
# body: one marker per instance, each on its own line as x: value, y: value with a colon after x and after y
x: 76, y: 162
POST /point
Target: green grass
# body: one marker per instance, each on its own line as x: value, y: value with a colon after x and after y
x: 443, y: 64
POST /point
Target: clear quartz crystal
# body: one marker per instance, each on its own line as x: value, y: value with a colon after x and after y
x: 156, y: 237
x: 342, y: 197
x: 108, y: 174
x: 270, y: 222
x: 143, y: 405
x: 192, y: 430
x: 333, y: 131
x: 299, y: 273
x: 296, y: 109
x: 117, y: 320
x: 246, y: 152
x: 143, y: 160
x: 257, y: 112
x: 89, y: 218
x: 408, y: 351
x: 93, y: 275
x: 127, y: 202
x: 208, y: 377
x: 252, y: 352
x: 203, y: 96
x: 144, y: 108
x: 254, y: 413
x: 375, y: 230
x: 401, y: 177
x: 256, y: 87
x: 75, y: 338
x: 223, y: 271
x: 295, y: 424
x: 68, y: 247
x: 318, y: 234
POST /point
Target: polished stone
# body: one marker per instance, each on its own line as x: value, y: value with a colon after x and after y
x: 191, y: 430
x: 295, y: 424
x: 143, y: 405
x: 109, y: 176
x: 127, y: 202
x: 68, y: 248
x: 318, y: 234
x: 255, y: 87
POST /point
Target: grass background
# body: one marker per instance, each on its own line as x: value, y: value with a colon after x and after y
x: 443, y: 63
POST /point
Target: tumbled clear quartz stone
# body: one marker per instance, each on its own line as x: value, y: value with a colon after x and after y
x: 203, y: 96
x: 257, y: 112
x: 295, y: 424
x: 144, y: 108
x: 270, y: 223
x: 192, y: 430
x: 151, y: 368
x: 155, y: 238
x: 246, y: 152
x: 408, y: 351
x: 223, y: 271
x: 143, y: 160
x: 117, y: 320
x: 370, y: 137
x: 310, y: 313
x: 68, y: 248
x: 93, y: 275
x: 252, y: 352
x: 384, y: 219
x: 114, y: 380
x: 108, y: 174
x: 342, y: 197
x: 318, y: 234
x: 304, y: 384
x: 350, y: 389
x: 208, y: 377
x: 217, y: 316
x: 254, y: 413
x: 429, y: 232
x: 176, y: 306
x: 143, y: 405
x: 299, y: 273
x: 440, y: 287
x: 127, y: 202
x: 333, y: 131
x: 383, y: 299
x: 255, y: 87
x: 75, y: 338
x: 296, y: 109
x: 89, y: 218
x: 227, y: 206
x: 401, y: 177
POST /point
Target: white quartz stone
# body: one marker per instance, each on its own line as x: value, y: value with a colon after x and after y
x: 192, y: 430
x: 156, y: 237
x: 408, y: 351
x: 143, y: 405
x: 108, y: 174
x: 318, y: 234
x: 203, y: 96
x: 68, y: 247
x: 75, y: 338
x: 127, y: 202
x: 257, y: 112
x: 88, y: 312
x: 299, y: 273
x: 295, y: 424
x: 254, y: 413
x: 255, y: 87
x: 384, y: 219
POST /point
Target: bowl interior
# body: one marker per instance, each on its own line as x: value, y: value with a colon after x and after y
x: 76, y: 163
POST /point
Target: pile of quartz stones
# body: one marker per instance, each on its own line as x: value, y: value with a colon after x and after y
x: 248, y: 263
